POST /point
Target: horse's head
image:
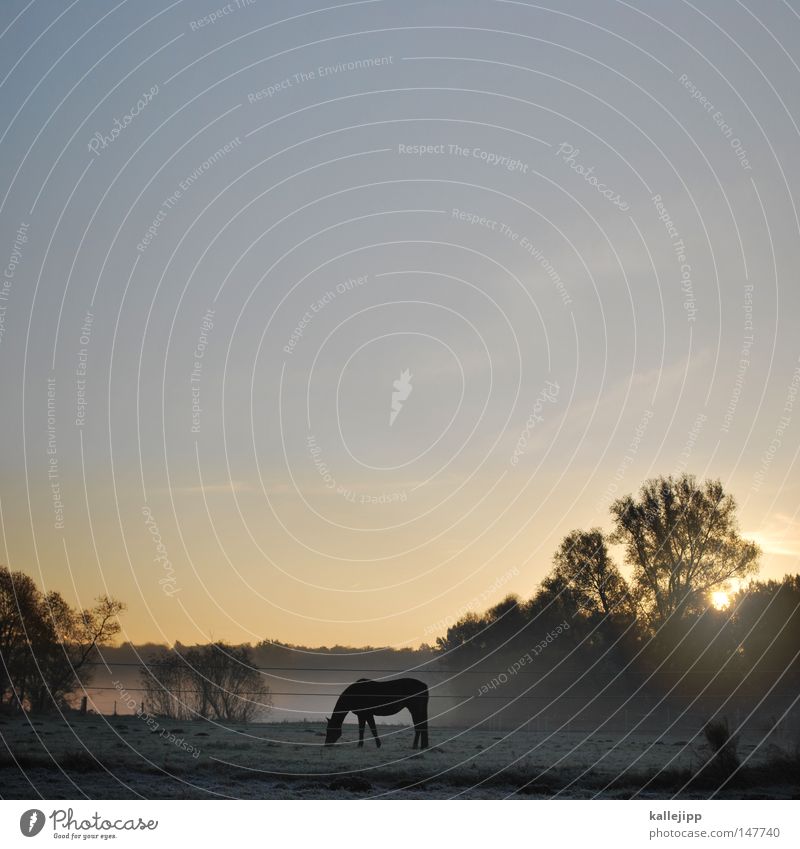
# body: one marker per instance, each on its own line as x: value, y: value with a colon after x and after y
x: 334, y: 732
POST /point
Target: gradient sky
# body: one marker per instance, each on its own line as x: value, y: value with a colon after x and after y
x: 294, y: 509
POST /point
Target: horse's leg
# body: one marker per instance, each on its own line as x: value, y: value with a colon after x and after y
x: 420, y: 717
x: 416, y: 726
x: 361, y: 723
x: 373, y: 729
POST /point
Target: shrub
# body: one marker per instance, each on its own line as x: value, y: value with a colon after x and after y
x: 724, y: 747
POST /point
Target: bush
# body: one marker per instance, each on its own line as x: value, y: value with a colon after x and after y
x: 724, y: 747
x: 216, y: 681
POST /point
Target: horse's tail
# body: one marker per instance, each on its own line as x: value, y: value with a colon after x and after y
x: 420, y: 717
x: 421, y: 698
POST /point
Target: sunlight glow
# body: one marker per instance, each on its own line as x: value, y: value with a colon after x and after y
x: 720, y: 600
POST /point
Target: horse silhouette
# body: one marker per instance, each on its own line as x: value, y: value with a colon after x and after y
x: 368, y: 699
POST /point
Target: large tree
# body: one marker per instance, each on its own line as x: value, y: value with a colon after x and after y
x: 20, y: 627
x: 46, y: 645
x: 682, y: 541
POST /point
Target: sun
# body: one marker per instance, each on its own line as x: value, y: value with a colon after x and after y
x: 720, y: 600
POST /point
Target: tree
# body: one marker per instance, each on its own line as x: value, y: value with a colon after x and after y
x: 74, y: 636
x: 682, y: 540
x: 584, y: 567
x: 20, y: 624
x: 45, y: 645
x: 467, y: 634
x: 505, y: 623
x: 215, y: 681
x: 766, y: 625
x: 228, y: 687
x: 168, y: 688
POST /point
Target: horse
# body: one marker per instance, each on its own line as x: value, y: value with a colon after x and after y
x: 368, y: 699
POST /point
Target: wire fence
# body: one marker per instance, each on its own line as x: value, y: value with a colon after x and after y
x: 649, y: 712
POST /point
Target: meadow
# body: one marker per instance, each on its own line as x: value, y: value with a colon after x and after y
x: 128, y: 756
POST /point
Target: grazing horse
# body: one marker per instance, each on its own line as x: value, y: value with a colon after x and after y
x: 368, y: 699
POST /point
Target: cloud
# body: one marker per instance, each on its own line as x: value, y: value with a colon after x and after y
x: 212, y: 488
x: 779, y: 535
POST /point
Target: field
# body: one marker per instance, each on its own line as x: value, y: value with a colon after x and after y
x: 97, y: 757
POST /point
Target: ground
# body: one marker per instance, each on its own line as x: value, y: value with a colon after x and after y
x: 128, y: 757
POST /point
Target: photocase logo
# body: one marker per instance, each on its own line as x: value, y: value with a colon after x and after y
x: 402, y: 389
x: 31, y: 822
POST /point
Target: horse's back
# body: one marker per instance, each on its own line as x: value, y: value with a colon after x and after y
x: 389, y: 695
x: 415, y: 686
x: 405, y: 687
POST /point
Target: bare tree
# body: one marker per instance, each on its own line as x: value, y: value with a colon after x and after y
x: 228, y: 687
x: 168, y: 686
x: 72, y: 638
x: 215, y: 681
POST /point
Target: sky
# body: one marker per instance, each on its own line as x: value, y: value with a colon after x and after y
x: 325, y: 323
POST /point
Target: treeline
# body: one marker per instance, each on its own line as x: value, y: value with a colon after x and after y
x: 759, y: 630
x: 677, y: 623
